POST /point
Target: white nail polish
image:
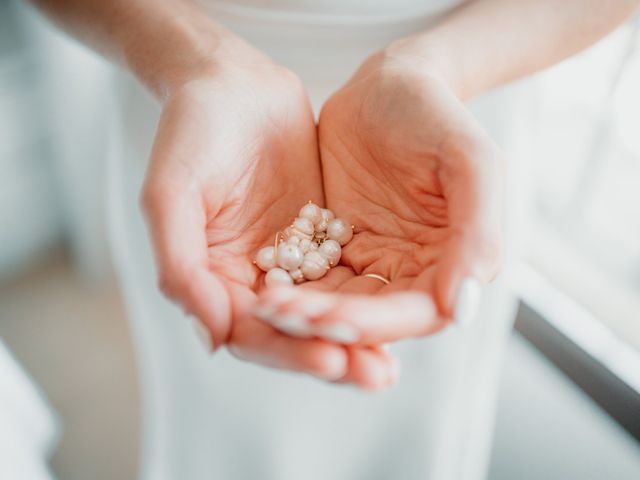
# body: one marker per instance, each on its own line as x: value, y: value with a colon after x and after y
x: 339, y: 333
x: 203, y: 334
x: 394, y: 371
x: 294, y: 325
x: 282, y: 295
x: 265, y: 312
x: 467, y: 303
x: 314, y: 307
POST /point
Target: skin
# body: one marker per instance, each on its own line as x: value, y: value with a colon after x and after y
x: 422, y: 182
x: 401, y: 158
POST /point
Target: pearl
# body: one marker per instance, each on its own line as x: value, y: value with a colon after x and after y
x: 314, y: 266
x: 307, y: 245
x: 302, y: 229
x: 297, y: 275
x: 303, y: 225
x: 289, y: 256
x: 340, y: 231
x: 277, y: 276
x: 294, y: 241
x: 288, y: 233
x: 312, y: 212
x: 266, y: 258
x: 327, y: 215
x: 331, y: 250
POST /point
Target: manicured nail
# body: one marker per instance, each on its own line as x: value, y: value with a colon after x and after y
x: 378, y: 378
x: 339, y: 333
x: 203, y: 334
x: 467, y: 303
x: 265, y: 312
x: 394, y: 371
x: 294, y: 325
x: 334, y: 371
x: 281, y: 295
x: 315, y: 306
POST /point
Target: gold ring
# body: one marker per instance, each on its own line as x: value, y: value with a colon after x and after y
x: 377, y: 277
x: 279, y: 238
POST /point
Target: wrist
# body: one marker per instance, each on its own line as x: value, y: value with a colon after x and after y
x: 426, y: 57
x: 181, y: 47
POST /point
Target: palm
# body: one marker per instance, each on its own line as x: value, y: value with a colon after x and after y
x: 264, y: 180
x: 234, y: 157
x: 390, y: 147
x: 281, y: 171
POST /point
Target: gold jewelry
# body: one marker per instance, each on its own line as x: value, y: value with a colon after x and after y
x: 377, y: 277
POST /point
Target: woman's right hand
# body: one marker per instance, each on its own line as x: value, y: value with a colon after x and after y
x: 235, y: 156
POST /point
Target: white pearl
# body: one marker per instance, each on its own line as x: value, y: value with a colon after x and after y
x: 294, y: 241
x: 314, y: 266
x: 289, y: 256
x: 266, y: 258
x: 331, y: 250
x: 340, y: 231
x: 288, y: 233
x: 303, y: 225
x: 277, y: 276
x: 301, y: 235
x: 297, y: 275
x: 327, y: 215
x: 307, y: 245
x: 311, y: 211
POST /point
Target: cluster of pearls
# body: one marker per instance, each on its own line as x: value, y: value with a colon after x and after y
x: 307, y: 249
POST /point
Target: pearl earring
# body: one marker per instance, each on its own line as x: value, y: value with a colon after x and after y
x: 307, y: 249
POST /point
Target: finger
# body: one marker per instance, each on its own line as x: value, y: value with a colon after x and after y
x: 362, y: 284
x: 331, y: 281
x: 259, y: 343
x: 473, y: 187
x: 177, y: 229
x: 371, y: 368
x: 352, y: 318
x: 176, y: 219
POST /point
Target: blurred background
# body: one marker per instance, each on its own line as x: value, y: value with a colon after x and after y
x: 569, y: 402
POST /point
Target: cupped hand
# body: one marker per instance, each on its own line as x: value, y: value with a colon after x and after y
x: 406, y: 163
x: 235, y: 156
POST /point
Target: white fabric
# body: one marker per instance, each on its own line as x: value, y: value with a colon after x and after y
x: 218, y: 418
x: 28, y: 430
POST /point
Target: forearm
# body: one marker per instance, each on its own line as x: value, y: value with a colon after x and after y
x: 163, y: 42
x: 486, y: 43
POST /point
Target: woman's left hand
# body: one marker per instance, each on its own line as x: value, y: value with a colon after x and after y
x: 406, y: 163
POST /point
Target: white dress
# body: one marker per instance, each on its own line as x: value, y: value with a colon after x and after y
x: 218, y: 418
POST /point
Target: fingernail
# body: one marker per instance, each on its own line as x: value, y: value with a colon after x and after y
x: 379, y: 378
x: 394, y: 371
x: 315, y: 306
x: 281, y: 295
x: 334, y: 370
x: 468, y: 302
x: 294, y: 325
x: 340, y: 333
x: 203, y: 335
x: 265, y: 312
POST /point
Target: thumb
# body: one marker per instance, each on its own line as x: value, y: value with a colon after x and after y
x: 472, y: 255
